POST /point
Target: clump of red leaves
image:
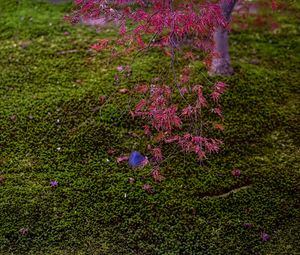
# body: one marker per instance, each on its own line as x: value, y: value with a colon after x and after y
x: 166, y: 120
x: 100, y: 45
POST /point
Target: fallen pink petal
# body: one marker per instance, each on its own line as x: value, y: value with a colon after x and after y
x: 120, y: 68
x: 54, y: 184
x: 148, y: 188
x: 24, y: 231
x: 264, y: 236
x: 122, y: 159
x: 236, y: 172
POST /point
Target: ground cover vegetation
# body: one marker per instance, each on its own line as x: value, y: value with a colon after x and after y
x: 62, y: 190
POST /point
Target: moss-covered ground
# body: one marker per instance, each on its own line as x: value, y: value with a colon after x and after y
x: 50, y: 129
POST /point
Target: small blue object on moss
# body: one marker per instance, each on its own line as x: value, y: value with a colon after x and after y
x: 136, y: 159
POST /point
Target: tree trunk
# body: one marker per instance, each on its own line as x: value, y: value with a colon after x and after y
x: 221, y: 64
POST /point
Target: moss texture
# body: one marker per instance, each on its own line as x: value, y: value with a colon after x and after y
x: 50, y: 129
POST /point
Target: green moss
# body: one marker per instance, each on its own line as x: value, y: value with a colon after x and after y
x: 49, y: 89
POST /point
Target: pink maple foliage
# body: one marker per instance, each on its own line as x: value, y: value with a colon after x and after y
x: 168, y: 21
x: 166, y: 120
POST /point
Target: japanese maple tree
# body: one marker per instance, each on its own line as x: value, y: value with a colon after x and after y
x: 181, y: 112
x: 206, y: 22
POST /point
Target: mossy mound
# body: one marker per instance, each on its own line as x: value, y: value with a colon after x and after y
x: 51, y: 129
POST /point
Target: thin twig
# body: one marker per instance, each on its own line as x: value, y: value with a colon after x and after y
x: 228, y: 193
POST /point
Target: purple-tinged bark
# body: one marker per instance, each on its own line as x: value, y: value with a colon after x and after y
x: 221, y: 64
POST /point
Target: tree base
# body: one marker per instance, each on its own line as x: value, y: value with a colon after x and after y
x: 220, y: 67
